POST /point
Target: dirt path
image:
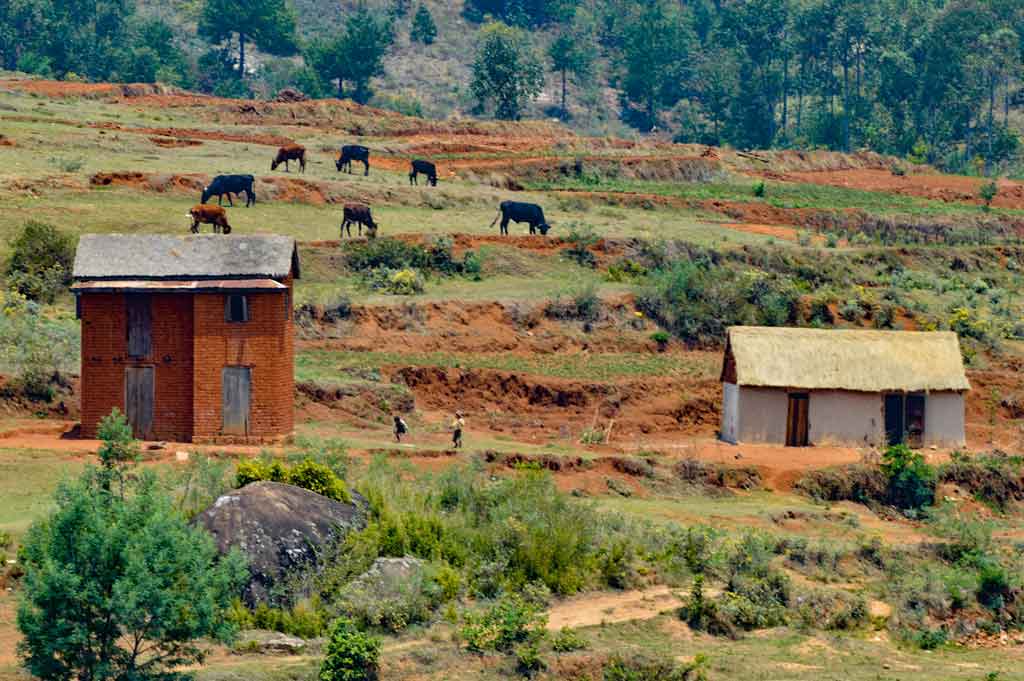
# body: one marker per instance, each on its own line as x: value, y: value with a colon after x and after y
x: 594, y: 609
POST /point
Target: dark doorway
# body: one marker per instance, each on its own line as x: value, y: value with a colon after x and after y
x: 797, y: 421
x: 904, y: 419
x: 236, y: 383
x: 139, y: 394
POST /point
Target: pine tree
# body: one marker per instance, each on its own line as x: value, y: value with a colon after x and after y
x: 506, y: 70
x: 269, y: 24
x: 423, y: 30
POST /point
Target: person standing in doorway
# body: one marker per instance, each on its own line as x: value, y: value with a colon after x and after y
x: 457, y: 425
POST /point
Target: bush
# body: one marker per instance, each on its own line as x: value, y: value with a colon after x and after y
x: 582, y: 238
x: 911, y: 481
x: 760, y: 189
x: 567, y: 640
x: 832, y: 610
x: 639, y: 667
x: 854, y: 482
x: 40, y: 261
x: 34, y: 347
x: 396, y: 600
x: 995, y: 480
x: 626, y: 270
x: 988, y: 193
x: 993, y: 586
x: 307, y: 474
x: 351, y: 655
x: 583, y: 305
x: 511, y: 621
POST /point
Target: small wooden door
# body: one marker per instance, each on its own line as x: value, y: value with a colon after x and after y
x: 236, y: 383
x: 797, y: 421
x: 139, y: 395
x: 914, y: 420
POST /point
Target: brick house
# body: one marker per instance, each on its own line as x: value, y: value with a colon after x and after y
x: 191, y: 337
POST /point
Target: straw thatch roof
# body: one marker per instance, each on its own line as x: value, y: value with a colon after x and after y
x: 161, y: 256
x: 859, y: 360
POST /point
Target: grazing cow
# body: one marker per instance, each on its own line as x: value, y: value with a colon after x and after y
x: 516, y: 211
x: 231, y: 184
x: 353, y: 152
x: 426, y: 168
x: 210, y: 215
x: 290, y: 152
x: 360, y: 214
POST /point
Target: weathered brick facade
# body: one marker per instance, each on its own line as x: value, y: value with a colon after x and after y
x: 191, y: 343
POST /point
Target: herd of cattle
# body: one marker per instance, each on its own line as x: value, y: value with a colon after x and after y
x: 353, y: 213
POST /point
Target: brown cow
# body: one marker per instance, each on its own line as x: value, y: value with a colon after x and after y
x: 360, y: 214
x: 210, y: 215
x: 290, y: 152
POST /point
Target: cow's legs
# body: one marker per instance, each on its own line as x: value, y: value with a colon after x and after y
x: 367, y: 171
x: 231, y: 203
x: 195, y: 226
x: 504, y: 226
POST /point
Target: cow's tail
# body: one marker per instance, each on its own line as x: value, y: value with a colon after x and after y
x: 495, y: 220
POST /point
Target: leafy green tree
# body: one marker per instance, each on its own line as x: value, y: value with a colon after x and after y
x: 573, y: 51
x: 40, y: 261
x: 658, y: 48
x: 506, y: 70
x: 119, y: 587
x: 269, y: 24
x: 423, y: 30
x: 355, y: 55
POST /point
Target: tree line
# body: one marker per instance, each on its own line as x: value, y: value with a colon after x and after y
x: 929, y: 79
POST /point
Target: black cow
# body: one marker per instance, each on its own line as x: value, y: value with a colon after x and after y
x: 353, y: 152
x: 231, y: 184
x: 360, y: 214
x: 425, y: 168
x: 516, y: 211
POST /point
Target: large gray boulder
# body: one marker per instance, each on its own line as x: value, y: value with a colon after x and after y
x: 278, y: 528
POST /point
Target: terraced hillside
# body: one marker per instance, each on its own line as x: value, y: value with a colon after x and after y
x: 592, y: 354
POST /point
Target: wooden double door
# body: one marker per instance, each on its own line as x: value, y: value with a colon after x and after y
x: 797, y: 421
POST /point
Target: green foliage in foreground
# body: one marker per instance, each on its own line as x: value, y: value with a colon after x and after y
x: 351, y: 655
x: 119, y: 586
x: 40, y: 261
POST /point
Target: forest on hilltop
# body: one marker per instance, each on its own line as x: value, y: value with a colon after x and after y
x: 937, y: 81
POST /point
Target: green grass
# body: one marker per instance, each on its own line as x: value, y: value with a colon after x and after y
x: 27, y: 480
x: 326, y: 365
x: 791, y: 195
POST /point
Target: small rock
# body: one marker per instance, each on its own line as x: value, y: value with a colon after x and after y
x: 156, y: 446
x: 269, y: 643
x: 181, y: 456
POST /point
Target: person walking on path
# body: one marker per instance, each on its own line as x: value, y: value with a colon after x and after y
x: 457, y: 425
x: 400, y: 428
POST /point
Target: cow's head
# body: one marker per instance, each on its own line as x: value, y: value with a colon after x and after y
x: 338, y: 163
x: 433, y: 180
x: 206, y: 194
x: 274, y: 164
x: 544, y: 227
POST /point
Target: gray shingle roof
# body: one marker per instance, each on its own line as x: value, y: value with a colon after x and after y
x: 158, y: 256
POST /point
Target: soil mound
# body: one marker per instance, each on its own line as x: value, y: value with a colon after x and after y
x: 155, y: 182
x: 279, y: 528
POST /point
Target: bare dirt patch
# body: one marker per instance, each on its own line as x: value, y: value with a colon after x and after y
x: 174, y: 142
x: 594, y: 609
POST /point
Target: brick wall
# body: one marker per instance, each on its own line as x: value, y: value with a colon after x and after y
x: 265, y: 344
x: 105, y: 356
x: 191, y: 343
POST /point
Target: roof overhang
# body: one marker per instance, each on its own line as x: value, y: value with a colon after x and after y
x: 178, y: 286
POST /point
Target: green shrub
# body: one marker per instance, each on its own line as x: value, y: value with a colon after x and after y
x: 508, y: 623
x: 993, y: 586
x: 568, y: 640
x: 351, y: 655
x: 995, y: 480
x: 987, y: 194
x: 853, y: 482
x: 760, y: 189
x: 582, y: 238
x: 930, y: 639
x: 387, y: 253
x: 911, y: 481
x: 403, y: 282
x: 6, y: 540
x: 396, y: 600
x: 40, y: 261
x: 583, y: 304
x: 307, y: 474
x: 528, y: 658
x: 661, y: 338
x: 832, y: 610
x: 626, y: 270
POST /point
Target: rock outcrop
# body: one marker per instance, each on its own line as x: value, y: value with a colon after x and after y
x: 279, y: 528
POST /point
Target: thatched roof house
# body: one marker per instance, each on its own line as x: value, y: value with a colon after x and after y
x: 816, y: 386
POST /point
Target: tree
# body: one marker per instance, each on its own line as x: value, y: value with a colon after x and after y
x: 40, y: 261
x: 423, y: 30
x: 118, y: 586
x: 505, y: 70
x: 573, y: 51
x: 657, y: 49
x: 355, y: 55
x: 269, y: 24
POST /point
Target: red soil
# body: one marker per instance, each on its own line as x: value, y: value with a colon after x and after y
x: 947, y: 188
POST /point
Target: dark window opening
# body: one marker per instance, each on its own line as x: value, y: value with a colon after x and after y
x: 237, y: 309
x: 78, y: 306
